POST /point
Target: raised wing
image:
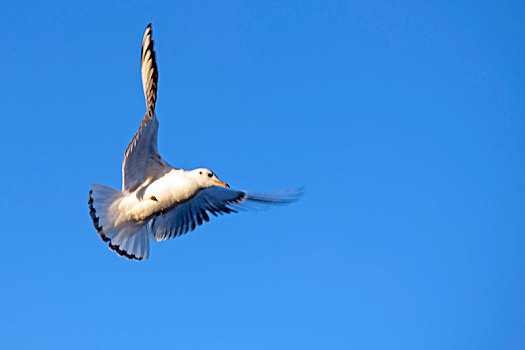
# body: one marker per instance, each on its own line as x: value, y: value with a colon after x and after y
x: 149, y: 70
x: 215, y: 200
x: 142, y: 162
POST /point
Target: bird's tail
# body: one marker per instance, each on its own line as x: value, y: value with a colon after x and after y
x: 126, y: 239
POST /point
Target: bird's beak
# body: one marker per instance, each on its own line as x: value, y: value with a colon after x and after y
x: 220, y: 183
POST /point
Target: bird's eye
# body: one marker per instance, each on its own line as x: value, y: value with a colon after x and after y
x: 210, y: 174
x: 200, y: 172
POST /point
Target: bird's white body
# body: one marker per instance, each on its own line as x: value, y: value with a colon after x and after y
x: 163, y: 194
x: 159, y: 201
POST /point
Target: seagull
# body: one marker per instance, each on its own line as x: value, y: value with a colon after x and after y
x: 159, y: 201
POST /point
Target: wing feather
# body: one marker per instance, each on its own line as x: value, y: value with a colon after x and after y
x: 142, y: 162
x: 149, y: 70
x: 215, y: 200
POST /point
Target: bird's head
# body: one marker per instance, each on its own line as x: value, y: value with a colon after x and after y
x: 206, y: 178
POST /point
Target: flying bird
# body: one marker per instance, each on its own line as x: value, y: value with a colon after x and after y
x: 159, y: 201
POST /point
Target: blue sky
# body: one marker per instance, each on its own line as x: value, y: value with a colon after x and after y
x: 404, y: 120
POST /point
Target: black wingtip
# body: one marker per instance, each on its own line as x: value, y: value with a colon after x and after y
x: 95, y: 218
x: 116, y: 249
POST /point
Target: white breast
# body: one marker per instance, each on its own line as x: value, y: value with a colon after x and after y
x: 163, y: 194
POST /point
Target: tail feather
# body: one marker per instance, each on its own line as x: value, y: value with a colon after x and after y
x: 126, y: 239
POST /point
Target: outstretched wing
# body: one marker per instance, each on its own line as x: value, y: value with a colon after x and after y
x: 142, y: 162
x: 215, y: 200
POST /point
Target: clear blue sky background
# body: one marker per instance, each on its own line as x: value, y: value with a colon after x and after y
x: 404, y: 120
